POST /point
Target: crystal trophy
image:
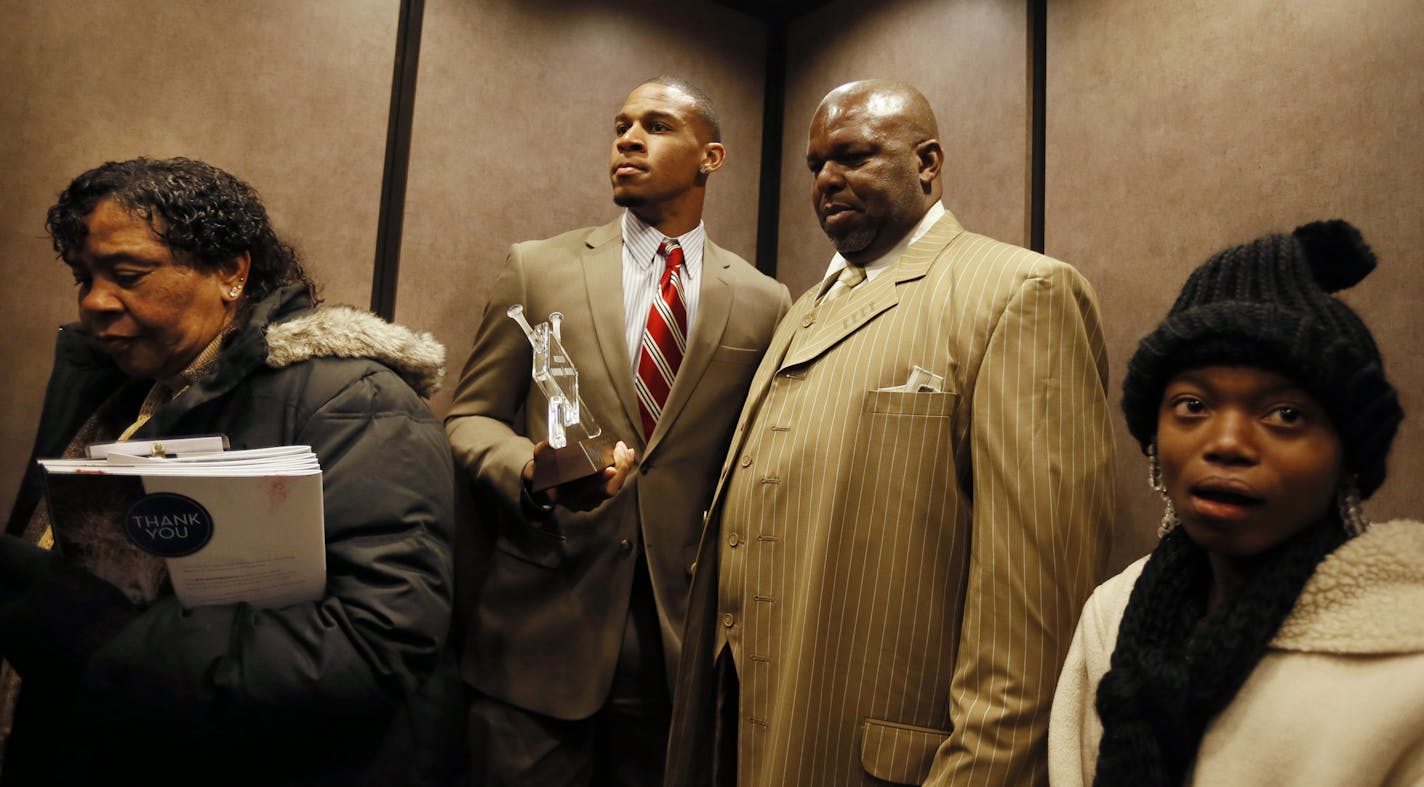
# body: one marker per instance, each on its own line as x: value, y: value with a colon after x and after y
x: 580, y: 449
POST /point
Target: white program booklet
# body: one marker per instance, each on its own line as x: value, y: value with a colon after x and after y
x: 227, y: 526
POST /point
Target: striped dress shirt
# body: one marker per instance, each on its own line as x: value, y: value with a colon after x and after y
x: 642, y: 268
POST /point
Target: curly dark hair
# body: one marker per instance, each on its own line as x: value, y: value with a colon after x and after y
x: 193, y: 207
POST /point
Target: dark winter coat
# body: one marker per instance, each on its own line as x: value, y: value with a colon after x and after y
x: 351, y: 689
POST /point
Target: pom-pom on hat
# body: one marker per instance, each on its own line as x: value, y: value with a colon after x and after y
x: 1267, y: 304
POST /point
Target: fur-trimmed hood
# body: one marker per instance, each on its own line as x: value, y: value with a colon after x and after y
x: 346, y: 332
x: 1365, y: 598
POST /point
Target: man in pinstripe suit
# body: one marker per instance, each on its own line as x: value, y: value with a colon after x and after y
x: 578, y: 615
x: 917, y: 499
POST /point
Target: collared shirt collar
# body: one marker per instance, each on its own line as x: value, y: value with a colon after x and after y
x: 641, y: 237
x: 875, y: 266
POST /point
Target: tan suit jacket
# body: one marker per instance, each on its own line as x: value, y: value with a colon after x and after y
x: 550, y: 603
x: 898, y: 573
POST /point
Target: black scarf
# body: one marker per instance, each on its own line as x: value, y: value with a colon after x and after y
x: 1175, y: 667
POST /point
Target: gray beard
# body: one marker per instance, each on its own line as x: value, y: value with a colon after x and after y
x: 852, y: 242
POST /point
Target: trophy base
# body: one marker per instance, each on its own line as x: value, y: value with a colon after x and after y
x: 572, y: 462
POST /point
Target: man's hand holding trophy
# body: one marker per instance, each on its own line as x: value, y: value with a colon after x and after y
x: 577, y: 466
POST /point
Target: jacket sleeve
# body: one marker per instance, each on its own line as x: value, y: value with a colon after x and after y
x: 1042, y: 459
x: 54, y: 614
x: 491, y: 394
x: 360, y: 650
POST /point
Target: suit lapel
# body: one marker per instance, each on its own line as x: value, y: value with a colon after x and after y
x: 603, y: 278
x: 843, y: 318
x: 913, y: 264
x: 714, y: 306
x: 832, y: 322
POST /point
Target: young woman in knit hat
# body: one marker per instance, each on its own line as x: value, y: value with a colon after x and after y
x: 1274, y: 636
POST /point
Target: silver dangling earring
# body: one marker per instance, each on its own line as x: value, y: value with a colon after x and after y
x: 1352, y: 516
x: 1154, y: 480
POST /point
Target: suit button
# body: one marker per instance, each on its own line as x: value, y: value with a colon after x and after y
x: 732, y: 540
x: 727, y: 620
x: 691, y: 569
x: 746, y: 461
x: 625, y: 546
x: 806, y: 322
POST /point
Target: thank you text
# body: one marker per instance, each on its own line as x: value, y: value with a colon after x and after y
x: 168, y: 525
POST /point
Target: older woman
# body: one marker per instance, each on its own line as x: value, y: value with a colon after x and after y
x: 196, y: 319
x: 1274, y: 636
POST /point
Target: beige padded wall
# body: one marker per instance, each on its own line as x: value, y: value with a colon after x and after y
x: 513, y: 127
x: 292, y: 97
x: 1176, y: 129
x: 969, y: 57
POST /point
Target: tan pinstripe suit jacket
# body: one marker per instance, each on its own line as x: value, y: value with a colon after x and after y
x: 551, y: 601
x: 900, y: 572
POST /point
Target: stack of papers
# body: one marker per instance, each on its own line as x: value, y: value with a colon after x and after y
x: 225, y: 526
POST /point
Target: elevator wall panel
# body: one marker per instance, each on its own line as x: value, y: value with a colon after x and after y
x: 291, y: 97
x: 1175, y: 129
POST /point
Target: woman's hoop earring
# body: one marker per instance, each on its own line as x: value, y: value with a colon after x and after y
x: 1154, y: 480
x: 1352, y: 515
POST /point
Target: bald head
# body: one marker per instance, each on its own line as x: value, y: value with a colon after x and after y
x: 895, y: 107
x: 875, y: 155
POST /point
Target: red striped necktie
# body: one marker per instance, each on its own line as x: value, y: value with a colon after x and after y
x: 664, y: 340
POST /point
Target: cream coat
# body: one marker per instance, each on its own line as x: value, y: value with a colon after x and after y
x: 1338, y: 698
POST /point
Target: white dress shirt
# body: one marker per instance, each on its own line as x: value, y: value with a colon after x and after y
x: 643, y: 268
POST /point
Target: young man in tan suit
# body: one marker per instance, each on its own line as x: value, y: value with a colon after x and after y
x: 917, y: 500
x: 578, y: 614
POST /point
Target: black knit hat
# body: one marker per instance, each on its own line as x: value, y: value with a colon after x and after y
x: 1266, y: 304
